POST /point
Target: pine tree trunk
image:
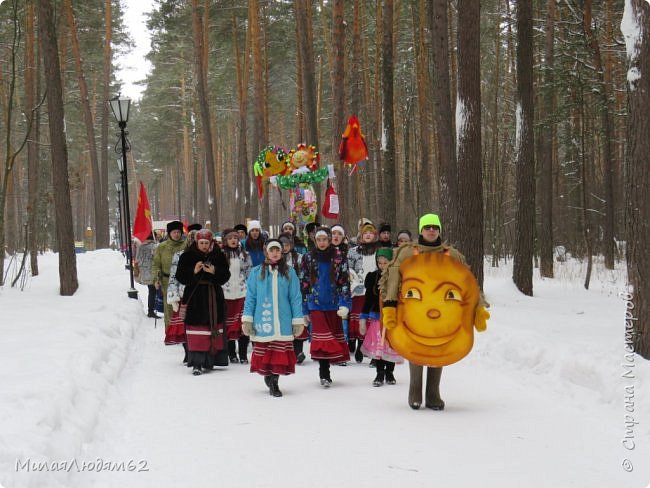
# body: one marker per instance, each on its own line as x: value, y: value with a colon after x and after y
x: 388, y: 116
x: 637, y: 182
x: 104, y: 238
x: 468, y: 136
x: 242, y: 76
x: 547, y: 135
x: 63, y: 210
x: 607, y: 129
x: 338, y: 105
x: 524, y: 153
x: 100, y: 211
x: 31, y: 74
x: 445, y: 141
x: 206, y: 119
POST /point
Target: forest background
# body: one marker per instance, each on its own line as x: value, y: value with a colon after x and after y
x: 509, y: 118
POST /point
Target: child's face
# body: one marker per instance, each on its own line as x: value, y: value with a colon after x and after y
x: 382, y: 262
x: 275, y: 253
x: 232, y: 241
x: 322, y: 242
x: 337, y: 237
x: 286, y: 247
x: 368, y: 237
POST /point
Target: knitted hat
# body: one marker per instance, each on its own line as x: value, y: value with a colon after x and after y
x: 311, y: 226
x: 229, y: 231
x: 239, y: 227
x: 285, y: 238
x: 204, y: 234
x: 324, y: 230
x: 368, y: 227
x: 287, y: 223
x: 338, y: 227
x: 386, y: 252
x: 363, y: 221
x: 384, y: 227
x: 429, y: 219
x: 273, y: 243
x: 254, y: 224
x: 405, y: 231
x: 194, y: 227
x: 174, y: 225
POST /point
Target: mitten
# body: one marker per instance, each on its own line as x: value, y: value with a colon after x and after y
x: 247, y: 329
x: 389, y: 317
x: 297, y: 329
x: 362, y: 326
x: 343, y: 312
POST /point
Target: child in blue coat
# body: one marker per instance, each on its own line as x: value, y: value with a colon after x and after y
x: 273, y: 316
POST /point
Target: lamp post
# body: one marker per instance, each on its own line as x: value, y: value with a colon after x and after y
x: 120, y: 232
x: 120, y: 107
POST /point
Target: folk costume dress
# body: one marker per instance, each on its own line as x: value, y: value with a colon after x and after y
x: 374, y: 346
x: 205, y: 314
x: 325, y: 287
x: 235, y: 293
x: 273, y: 305
x: 361, y: 261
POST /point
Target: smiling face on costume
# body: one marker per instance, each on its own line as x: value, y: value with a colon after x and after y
x: 436, y: 312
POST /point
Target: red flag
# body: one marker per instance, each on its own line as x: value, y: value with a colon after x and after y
x: 142, y: 226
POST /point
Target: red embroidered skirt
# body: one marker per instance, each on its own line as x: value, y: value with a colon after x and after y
x: 275, y: 357
x: 234, y: 309
x: 327, y: 339
x: 175, y: 333
x: 200, y: 338
x: 353, y: 318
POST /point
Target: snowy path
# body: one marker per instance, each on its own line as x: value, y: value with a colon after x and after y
x: 538, y: 403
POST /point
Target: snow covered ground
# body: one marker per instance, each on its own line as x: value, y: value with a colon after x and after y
x: 90, y: 397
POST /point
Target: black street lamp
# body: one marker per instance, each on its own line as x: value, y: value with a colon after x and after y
x: 120, y: 232
x: 120, y: 107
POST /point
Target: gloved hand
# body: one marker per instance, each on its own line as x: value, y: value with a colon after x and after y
x: 389, y: 317
x: 343, y: 312
x: 297, y: 329
x: 480, y: 319
x: 362, y: 326
x: 247, y: 329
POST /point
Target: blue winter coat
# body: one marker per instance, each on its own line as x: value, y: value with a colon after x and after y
x: 273, y: 305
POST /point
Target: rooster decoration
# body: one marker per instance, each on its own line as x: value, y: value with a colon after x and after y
x: 353, y: 148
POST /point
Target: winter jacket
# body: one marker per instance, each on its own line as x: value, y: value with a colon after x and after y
x: 199, y: 288
x: 144, y: 262
x: 273, y: 304
x: 257, y: 255
x: 370, y: 308
x: 240, y: 267
x: 324, y: 293
x: 360, y: 264
x: 162, y: 260
x: 174, y: 288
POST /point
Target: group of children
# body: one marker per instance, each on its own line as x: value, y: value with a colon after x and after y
x: 278, y: 293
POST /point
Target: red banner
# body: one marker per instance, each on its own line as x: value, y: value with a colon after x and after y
x: 142, y: 226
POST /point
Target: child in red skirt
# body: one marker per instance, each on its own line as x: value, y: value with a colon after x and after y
x: 234, y: 291
x: 326, y: 299
x: 273, y: 316
x: 375, y: 344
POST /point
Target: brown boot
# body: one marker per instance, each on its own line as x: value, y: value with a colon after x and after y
x: 415, y: 386
x: 433, y: 400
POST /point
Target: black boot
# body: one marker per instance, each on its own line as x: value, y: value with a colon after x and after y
x: 297, y: 348
x: 352, y: 345
x: 232, y: 351
x: 243, y: 349
x: 267, y: 382
x: 389, y: 366
x: 379, y: 379
x: 415, y: 386
x: 324, y: 372
x: 185, y: 350
x: 358, y: 356
x: 274, y: 389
